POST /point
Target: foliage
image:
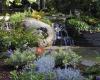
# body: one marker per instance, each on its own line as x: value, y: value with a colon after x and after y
x: 44, y: 66
x: 45, y: 63
x: 18, y: 17
x: 46, y: 20
x: 4, y: 38
x: 26, y: 76
x: 89, y: 78
x: 37, y: 15
x: 96, y: 8
x: 41, y: 16
x: 9, y: 2
x: 20, y: 58
x: 79, y: 25
x: 61, y: 74
x: 93, y: 70
x: 66, y: 57
x: 96, y: 27
x: 31, y: 73
x: 17, y: 2
x: 93, y: 22
x: 90, y: 20
x: 82, y: 5
x: 68, y: 74
x: 18, y: 37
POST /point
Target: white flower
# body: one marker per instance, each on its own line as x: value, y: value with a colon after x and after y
x: 7, y: 18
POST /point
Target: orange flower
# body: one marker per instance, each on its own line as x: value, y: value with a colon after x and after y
x: 39, y: 51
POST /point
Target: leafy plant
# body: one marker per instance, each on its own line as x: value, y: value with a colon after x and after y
x: 37, y: 15
x: 46, y: 20
x: 66, y: 57
x: 26, y: 76
x: 90, y: 20
x: 41, y: 16
x: 20, y: 58
x: 96, y: 27
x: 93, y: 70
x: 18, y: 38
x: 45, y: 63
x: 89, y: 78
x: 4, y: 40
x: 17, y: 2
x: 68, y: 74
x: 79, y: 25
x: 17, y: 17
x: 44, y: 68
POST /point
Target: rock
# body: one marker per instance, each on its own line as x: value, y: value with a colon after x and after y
x: 31, y: 22
x: 88, y: 63
x: 97, y: 77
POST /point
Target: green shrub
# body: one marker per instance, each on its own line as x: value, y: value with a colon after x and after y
x: 30, y: 73
x: 93, y: 70
x: 46, y: 20
x: 19, y: 58
x: 4, y: 40
x: 17, y: 17
x: 90, y: 20
x: 26, y: 76
x: 67, y: 57
x: 79, y: 25
x: 97, y: 27
x: 18, y: 37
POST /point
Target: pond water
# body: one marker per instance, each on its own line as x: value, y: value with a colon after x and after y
x: 89, y: 53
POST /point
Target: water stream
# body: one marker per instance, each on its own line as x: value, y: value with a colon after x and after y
x: 61, y: 36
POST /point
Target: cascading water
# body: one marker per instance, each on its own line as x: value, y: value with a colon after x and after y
x: 61, y: 36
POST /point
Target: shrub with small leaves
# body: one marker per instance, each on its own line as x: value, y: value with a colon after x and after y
x: 26, y: 76
x: 78, y: 25
x: 45, y: 63
x: 66, y: 57
x: 20, y: 58
x: 68, y: 74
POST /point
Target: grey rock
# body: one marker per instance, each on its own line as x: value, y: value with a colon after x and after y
x: 88, y: 63
x: 31, y: 22
x: 97, y: 77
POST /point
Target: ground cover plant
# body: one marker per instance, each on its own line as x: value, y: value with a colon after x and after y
x: 19, y: 60
x: 44, y: 67
x: 84, y: 23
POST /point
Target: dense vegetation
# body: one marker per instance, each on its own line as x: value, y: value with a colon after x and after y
x: 29, y: 63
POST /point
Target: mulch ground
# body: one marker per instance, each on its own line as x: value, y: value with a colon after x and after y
x: 4, y: 71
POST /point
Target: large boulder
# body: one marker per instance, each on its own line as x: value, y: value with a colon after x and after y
x: 31, y: 22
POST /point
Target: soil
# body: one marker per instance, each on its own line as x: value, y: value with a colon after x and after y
x: 4, y: 71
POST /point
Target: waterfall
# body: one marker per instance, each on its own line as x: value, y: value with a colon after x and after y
x: 61, y: 36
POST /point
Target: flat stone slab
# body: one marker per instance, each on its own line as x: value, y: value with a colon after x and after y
x: 88, y: 63
x: 97, y: 77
